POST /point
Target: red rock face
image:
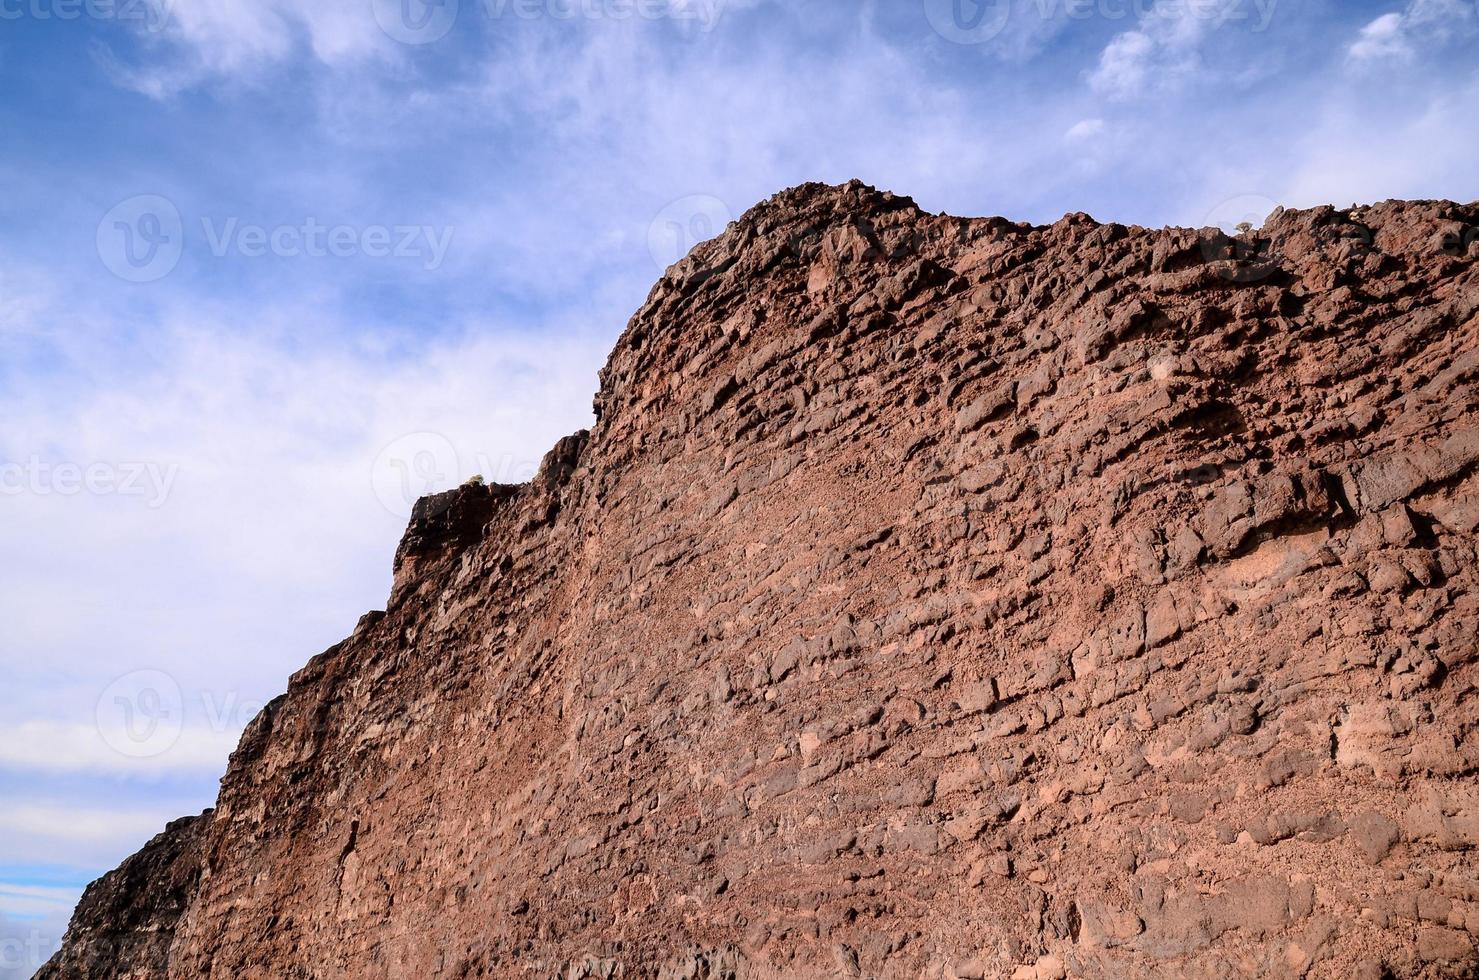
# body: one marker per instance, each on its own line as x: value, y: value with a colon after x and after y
x: 933, y: 598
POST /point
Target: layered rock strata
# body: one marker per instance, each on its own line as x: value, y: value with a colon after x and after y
x: 933, y: 597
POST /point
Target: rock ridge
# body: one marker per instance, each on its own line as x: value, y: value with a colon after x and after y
x: 932, y: 597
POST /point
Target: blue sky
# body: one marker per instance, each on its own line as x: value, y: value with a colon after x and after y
x: 269, y: 268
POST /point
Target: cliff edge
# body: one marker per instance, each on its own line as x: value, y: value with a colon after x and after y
x: 934, y: 597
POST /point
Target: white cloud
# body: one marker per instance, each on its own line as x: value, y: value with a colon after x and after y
x: 1427, y: 153
x: 1422, y: 26
x: 282, y: 437
x: 276, y: 535
x: 270, y: 545
x: 1382, y: 38
x: 234, y: 35
x: 1084, y: 130
x: 1125, y: 65
x: 1168, y: 50
x: 27, y: 939
x: 70, y: 747
x: 77, y: 824
x: 61, y: 833
x: 200, y: 39
x: 1158, y: 56
x: 30, y: 901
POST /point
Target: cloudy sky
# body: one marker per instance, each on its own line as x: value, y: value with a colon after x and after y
x: 270, y: 268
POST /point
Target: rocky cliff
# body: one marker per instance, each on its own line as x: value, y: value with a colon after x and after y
x: 934, y: 597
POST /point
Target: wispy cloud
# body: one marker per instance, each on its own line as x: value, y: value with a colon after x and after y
x: 35, y: 901
x: 27, y: 939
x: 1160, y: 55
x: 87, y: 826
x: 295, y: 463
x: 289, y: 440
x: 106, y: 749
x: 1085, y: 130
x: 72, y: 834
x: 191, y: 41
x: 1422, y: 25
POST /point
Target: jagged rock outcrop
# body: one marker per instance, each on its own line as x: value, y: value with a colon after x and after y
x: 934, y: 597
x: 123, y: 927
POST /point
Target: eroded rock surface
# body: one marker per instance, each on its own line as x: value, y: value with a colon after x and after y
x: 933, y: 598
x: 123, y: 927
